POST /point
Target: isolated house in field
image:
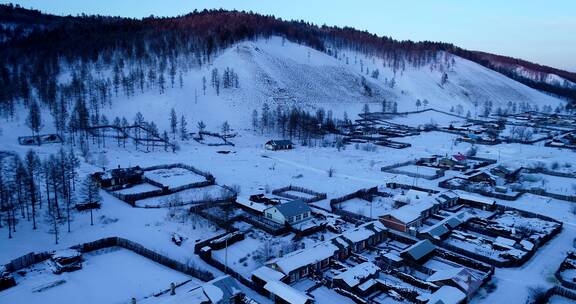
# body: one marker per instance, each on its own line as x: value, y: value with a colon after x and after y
x: 275, y: 145
x: 119, y: 176
x: 290, y: 213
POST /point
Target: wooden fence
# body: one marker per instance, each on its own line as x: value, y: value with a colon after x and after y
x: 189, y: 269
x: 317, y: 196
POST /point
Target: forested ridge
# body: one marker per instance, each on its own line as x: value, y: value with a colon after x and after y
x: 105, y: 56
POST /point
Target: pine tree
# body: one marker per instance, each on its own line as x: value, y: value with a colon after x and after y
x: 201, y: 126
x: 32, y: 168
x: 173, y: 123
x: 254, y: 120
x: 204, y: 84
x: 225, y: 128
x: 34, y: 120
x: 183, y: 128
x: 91, y: 194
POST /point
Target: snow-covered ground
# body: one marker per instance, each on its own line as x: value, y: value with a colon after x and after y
x: 111, y: 275
x: 309, y: 79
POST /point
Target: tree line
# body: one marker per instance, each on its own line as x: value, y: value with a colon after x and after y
x: 43, y: 191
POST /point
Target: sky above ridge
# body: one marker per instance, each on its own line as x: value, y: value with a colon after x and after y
x: 540, y: 31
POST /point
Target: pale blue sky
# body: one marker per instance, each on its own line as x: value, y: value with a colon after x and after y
x: 536, y: 30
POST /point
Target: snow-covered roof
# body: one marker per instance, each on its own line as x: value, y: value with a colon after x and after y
x: 411, y: 195
x: 363, y: 232
x: 326, y: 249
x: 447, y: 295
x: 259, y: 207
x: 504, y: 241
x: 305, y: 257
x: 393, y: 257
x: 268, y: 274
x: 280, y: 142
x: 445, y: 274
x: 460, y: 276
x: 355, y: 275
x: 293, y: 208
x: 410, y: 213
x: 66, y: 254
x: 527, y: 244
x: 221, y: 288
x: 366, y: 285
x: 437, y: 231
x: 475, y: 198
x: 287, y: 293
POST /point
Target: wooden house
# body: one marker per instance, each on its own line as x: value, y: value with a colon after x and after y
x: 275, y: 145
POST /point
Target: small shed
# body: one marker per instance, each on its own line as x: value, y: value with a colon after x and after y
x: 282, y: 144
x: 419, y: 251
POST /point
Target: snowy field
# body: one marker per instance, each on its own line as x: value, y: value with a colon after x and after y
x: 428, y: 117
x: 174, y: 177
x: 185, y: 196
x: 112, y: 275
x: 552, y: 184
x: 422, y: 170
x: 301, y: 70
x: 379, y: 206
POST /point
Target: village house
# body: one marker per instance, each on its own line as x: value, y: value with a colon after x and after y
x: 119, y: 176
x: 282, y: 293
x: 419, y: 252
x: 302, y: 263
x: 275, y: 145
x: 354, y: 276
x: 222, y: 290
x: 415, y: 207
x: 482, y: 177
x: 289, y: 213
x: 457, y: 277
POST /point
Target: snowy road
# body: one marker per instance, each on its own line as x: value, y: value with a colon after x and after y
x: 514, y: 283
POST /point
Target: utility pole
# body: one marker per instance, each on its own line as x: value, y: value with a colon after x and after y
x: 226, y: 255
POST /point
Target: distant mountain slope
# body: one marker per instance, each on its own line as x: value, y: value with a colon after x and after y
x: 282, y: 73
x: 97, y: 60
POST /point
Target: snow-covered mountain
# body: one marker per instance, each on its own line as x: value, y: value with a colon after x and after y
x: 279, y: 72
x: 151, y: 65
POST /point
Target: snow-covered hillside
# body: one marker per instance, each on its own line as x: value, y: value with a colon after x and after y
x: 280, y: 72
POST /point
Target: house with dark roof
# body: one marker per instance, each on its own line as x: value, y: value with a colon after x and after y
x: 221, y: 290
x: 289, y: 213
x: 419, y: 251
x: 119, y: 176
x: 283, y: 144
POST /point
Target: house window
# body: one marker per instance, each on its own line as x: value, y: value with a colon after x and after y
x: 304, y: 272
x: 305, y: 215
x: 291, y: 219
x: 293, y: 276
x: 298, y: 217
x: 269, y: 215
